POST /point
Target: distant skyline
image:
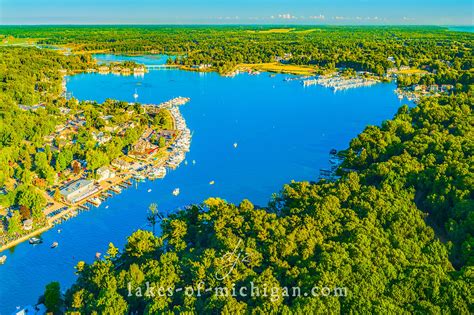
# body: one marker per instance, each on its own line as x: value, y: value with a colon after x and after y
x: 334, y: 12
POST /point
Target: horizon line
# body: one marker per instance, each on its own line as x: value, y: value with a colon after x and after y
x: 233, y: 24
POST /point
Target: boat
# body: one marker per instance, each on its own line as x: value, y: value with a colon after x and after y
x: 97, y: 255
x: 235, y: 144
x: 116, y: 189
x: 95, y: 201
x: 139, y: 177
x: 135, y: 95
x: 211, y: 182
x: 54, y: 245
x: 35, y: 241
x: 149, y: 190
x: 3, y: 259
x: 159, y: 172
x: 186, y: 162
x: 194, y: 162
x: 106, y: 207
x: 176, y: 191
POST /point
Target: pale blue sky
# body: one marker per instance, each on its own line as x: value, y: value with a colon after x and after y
x: 445, y: 12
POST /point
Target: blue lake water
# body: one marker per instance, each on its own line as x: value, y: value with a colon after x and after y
x: 284, y: 132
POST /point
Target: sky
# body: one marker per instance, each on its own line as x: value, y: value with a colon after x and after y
x: 378, y: 12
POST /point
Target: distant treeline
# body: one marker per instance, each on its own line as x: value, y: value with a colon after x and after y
x: 447, y: 55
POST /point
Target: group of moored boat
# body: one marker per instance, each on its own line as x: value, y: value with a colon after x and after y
x: 182, y: 143
x: 339, y: 82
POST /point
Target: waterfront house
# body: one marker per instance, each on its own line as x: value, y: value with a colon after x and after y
x: 27, y: 225
x: 103, y: 69
x: 120, y: 164
x: 139, y: 70
x: 78, y: 190
x: 104, y: 173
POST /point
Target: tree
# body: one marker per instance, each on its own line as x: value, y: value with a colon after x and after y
x: 162, y: 142
x: 57, y: 194
x: 153, y: 215
x: 14, y: 224
x: 52, y: 297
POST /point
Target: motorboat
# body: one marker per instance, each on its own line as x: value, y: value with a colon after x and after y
x: 35, y: 241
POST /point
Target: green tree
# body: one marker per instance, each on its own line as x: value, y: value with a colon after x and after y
x: 52, y: 297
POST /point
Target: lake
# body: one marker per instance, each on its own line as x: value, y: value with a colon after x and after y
x: 284, y: 132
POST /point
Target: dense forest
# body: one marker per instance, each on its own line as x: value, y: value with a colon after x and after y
x: 369, y: 231
x: 445, y: 55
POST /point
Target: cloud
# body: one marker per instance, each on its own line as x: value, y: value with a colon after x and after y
x: 228, y: 18
x: 286, y: 16
x: 408, y: 18
x: 317, y: 17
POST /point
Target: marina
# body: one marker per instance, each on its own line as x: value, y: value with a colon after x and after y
x: 340, y: 83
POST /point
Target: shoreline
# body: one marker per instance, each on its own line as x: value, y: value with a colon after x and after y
x: 179, y: 146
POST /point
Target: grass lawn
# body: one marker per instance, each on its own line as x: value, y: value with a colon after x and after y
x: 279, y: 68
x: 412, y: 71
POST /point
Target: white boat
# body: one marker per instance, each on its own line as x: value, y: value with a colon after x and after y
x: 106, y: 207
x: 159, y: 172
x: 3, y: 259
x: 211, y: 182
x: 95, y: 201
x: 235, y: 144
x: 139, y: 177
x: 54, y: 245
x: 194, y: 162
x: 176, y: 191
x: 149, y: 190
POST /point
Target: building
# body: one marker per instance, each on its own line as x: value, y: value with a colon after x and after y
x: 120, y: 164
x: 103, y: 69
x: 78, y: 190
x: 104, y: 173
x: 27, y: 225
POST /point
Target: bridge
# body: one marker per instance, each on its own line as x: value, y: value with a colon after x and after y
x: 159, y: 67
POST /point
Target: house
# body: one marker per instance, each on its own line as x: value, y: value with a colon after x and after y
x: 100, y: 137
x: 418, y: 87
x: 104, y: 173
x: 120, y: 164
x: 433, y: 88
x: 139, y: 70
x: 142, y: 146
x: 78, y: 190
x: 27, y: 225
x: 103, y: 69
